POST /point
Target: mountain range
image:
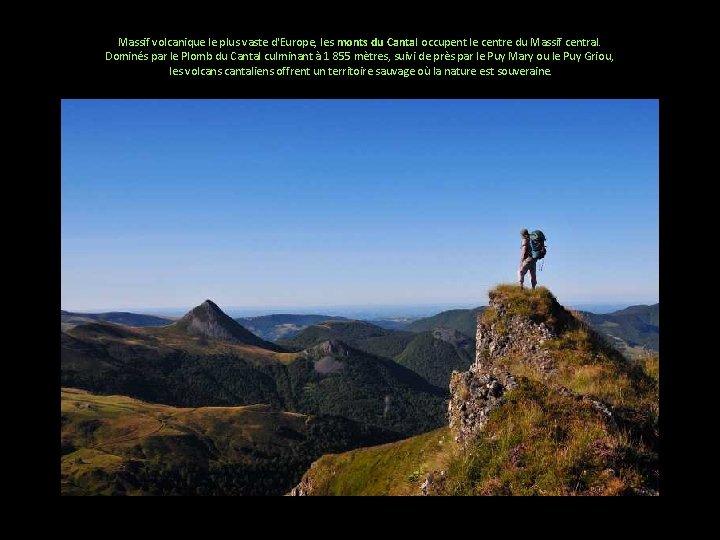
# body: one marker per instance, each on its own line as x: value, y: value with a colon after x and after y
x: 207, y: 369
x: 274, y: 327
x: 69, y: 319
x: 632, y: 330
x: 462, y: 320
x: 208, y: 359
x: 204, y: 405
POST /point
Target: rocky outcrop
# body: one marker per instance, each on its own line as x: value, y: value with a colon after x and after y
x: 507, y: 334
x: 434, y: 483
x: 325, y: 356
x: 305, y: 487
x: 574, y: 417
x: 453, y: 337
x: 472, y: 396
x: 503, y: 332
x: 330, y: 347
x: 210, y: 322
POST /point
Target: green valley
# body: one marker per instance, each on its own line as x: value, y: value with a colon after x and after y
x: 116, y: 445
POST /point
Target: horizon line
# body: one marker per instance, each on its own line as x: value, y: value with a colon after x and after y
x: 285, y: 308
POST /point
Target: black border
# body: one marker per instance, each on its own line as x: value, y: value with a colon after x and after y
x: 77, y: 71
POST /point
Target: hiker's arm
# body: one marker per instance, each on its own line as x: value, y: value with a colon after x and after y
x: 523, y: 249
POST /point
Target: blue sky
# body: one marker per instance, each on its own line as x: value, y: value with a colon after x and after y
x: 293, y: 203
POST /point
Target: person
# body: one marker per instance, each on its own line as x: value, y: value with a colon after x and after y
x: 527, y: 263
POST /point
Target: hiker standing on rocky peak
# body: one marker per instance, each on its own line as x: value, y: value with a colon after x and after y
x: 527, y: 262
x: 531, y: 250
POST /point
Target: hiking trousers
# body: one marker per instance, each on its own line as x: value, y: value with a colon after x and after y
x: 528, y: 264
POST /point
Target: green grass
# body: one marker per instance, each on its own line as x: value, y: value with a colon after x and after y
x: 588, y: 366
x: 390, y: 469
x: 115, y: 445
x: 539, y: 305
x: 585, y: 362
x: 541, y: 441
x: 545, y: 443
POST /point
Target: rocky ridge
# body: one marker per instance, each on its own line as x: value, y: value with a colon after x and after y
x: 548, y: 407
x: 476, y: 392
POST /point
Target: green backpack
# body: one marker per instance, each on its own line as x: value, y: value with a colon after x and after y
x: 537, y: 245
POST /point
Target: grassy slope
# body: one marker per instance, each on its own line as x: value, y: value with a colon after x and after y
x: 541, y: 441
x: 585, y: 363
x: 390, y: 469
x: 116, y: 445
x: 544, y: 443
x: 565, y: 446
x: 101, y: 434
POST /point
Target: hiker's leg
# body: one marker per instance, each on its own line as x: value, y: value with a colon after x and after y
x: 533, y: 274
x: 522, y: 271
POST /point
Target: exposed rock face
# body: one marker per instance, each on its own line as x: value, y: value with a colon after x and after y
x: 511, y: 335
x: 209, y: 321
x: 473, y: 396
x: 305, y: 487
x: 433, y: 484
x: 476, y: 392
x: 452, y: 336
x: 331, y: 347
x: 325, y: 356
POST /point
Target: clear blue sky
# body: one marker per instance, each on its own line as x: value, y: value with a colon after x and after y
x: 354, y: 202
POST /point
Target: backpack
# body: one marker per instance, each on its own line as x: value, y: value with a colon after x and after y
x: 537, y: 245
